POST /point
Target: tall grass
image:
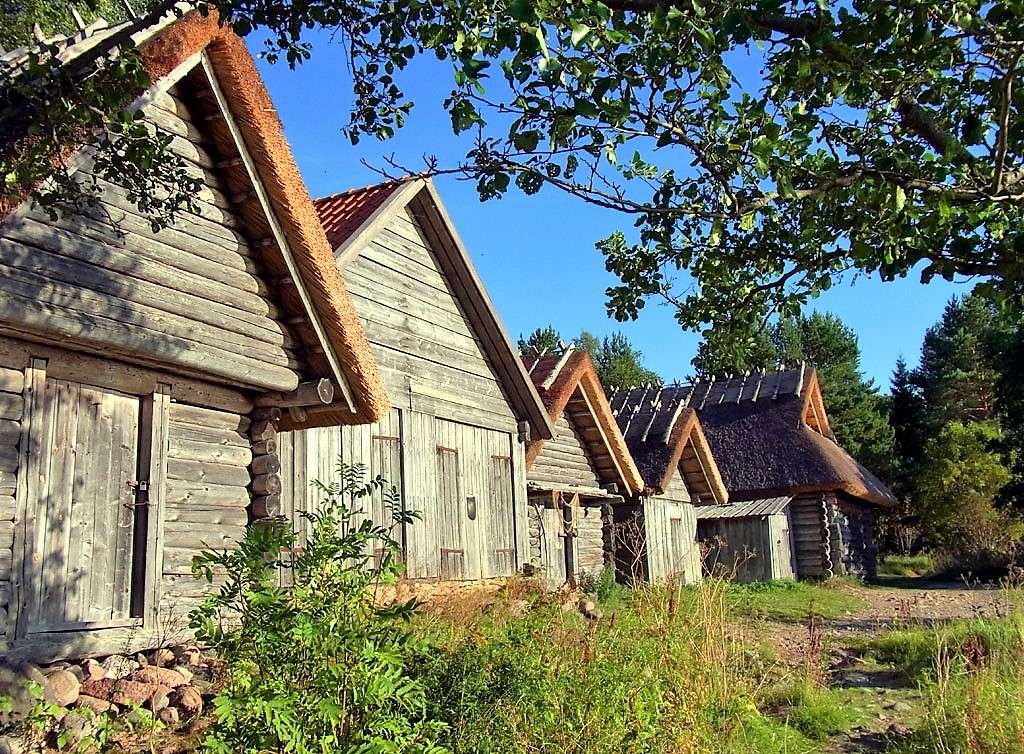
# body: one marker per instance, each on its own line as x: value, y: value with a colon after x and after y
x: 972, y: 673
x: 662, y: 671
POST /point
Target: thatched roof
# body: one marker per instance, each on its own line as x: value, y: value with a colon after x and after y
x: 664, y: 434
x: 568, y: 382
x: 769, y: 433
x: 170, y: 45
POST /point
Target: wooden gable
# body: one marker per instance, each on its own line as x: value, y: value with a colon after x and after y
x: 439, y: 343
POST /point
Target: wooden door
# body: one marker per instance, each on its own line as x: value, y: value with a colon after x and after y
x: 498, y: 545
x: 677, y: 546
x: 449, y: 524
x: 80, y: 557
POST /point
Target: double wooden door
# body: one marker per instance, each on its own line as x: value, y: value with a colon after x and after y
x: 475, y: 517
x: 81, y: 538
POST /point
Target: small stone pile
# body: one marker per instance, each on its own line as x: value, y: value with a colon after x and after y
x: 168, y: 684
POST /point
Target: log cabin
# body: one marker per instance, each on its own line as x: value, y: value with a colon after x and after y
x: 771, y: 436
x: 453, y: 445
x: 656, y: 537
x: 144, y: 374
x: 577, y: 478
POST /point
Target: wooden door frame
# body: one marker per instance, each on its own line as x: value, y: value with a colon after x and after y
x: 151, y: 467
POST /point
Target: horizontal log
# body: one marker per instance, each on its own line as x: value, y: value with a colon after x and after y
x: 8, y: 482
x: 208, y: 418
x: 210, y: 473
x: 265, y: 413
x: 10, y: 432
x: 128, y: 262
x: 266, y: 484
x: 199, y: 539
x: 202, y: 495
x: 266, y: 506
x: 11, y: 380
x: 12, y: 405
x: 181, y: 432
x: 189, y: 450
x: 7, y: 507
x: 265, y: 465
x: 140, y: 342
x: 179, y: 324
x: 182, y: 515
x: 8, y: 458
x: 314, y: 393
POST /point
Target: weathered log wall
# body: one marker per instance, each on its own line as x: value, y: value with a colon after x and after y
x: 854, y: 548
x: 11, y: 412
x: 811, y: 539
x: 189, y: 296
x: 563, y: 460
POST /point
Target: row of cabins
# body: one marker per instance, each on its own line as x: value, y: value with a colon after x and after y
x: 160, y: 391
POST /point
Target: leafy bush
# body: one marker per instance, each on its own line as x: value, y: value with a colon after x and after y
x: 317, y: 665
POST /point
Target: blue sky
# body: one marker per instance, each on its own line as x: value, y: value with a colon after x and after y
x: 536, y: 254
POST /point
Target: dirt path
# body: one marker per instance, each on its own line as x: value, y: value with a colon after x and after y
x: 887, y: 705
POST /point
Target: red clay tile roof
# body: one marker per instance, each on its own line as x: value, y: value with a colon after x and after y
x: 343, y: 214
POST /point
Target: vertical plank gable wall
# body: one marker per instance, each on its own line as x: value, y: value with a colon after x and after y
x: 671, y: 529
x: 451, y: 435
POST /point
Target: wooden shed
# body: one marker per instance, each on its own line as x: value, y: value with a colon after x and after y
x: 142, y: 372
x: 578, y: 477
x: 771, y: 436
x: 747, y: 541
x: 462, y: 404
x: 656, y: 538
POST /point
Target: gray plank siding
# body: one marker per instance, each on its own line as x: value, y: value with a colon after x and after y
x: 188, y: 297
x: 670, y: 529
x: 431, y: 359
x: 747, y: 548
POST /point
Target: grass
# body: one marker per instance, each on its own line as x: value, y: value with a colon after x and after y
x: 815, y: 711
x: 792, y: 601
x: 664, y: 671
x: 907, y: 566
x: 972, y: 676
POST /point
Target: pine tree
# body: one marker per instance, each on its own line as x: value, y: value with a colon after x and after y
x: 958, y: 371
x: 722, y: 354
x: 617, y: 362
x: 856, y: 411
x: 542, y: 341
x: 906, y: 417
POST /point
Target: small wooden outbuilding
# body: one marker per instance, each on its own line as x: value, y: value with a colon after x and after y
x: 656, y: 538
x: 462, y: 406
x: 142, y: 373
x: 771, y: 436
x: 747, y: 541
x: 578, y: 477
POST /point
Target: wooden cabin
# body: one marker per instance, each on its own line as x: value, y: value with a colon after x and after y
x: 656, y: 537
x: 462, y: 405
x: 771, y: 436
x: 577, y: 478
x: 143, y: 374
x: 750, y: 540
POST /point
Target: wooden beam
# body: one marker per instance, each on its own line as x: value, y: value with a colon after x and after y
x: 313, y: 393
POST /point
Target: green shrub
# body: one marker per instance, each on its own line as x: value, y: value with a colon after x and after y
x: 316, y: 666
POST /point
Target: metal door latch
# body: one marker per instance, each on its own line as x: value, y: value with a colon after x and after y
x: 141, y: 489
